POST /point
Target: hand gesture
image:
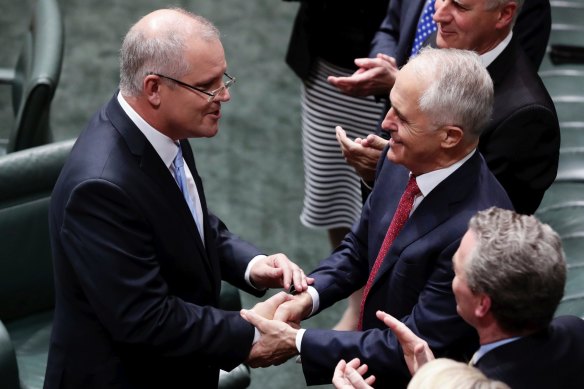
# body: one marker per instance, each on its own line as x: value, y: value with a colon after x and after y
x: 277, y: 342
x: 294, y: 309
x: 375, y: 76
x: 350, y: 375
x: 416, y: 350
x: 278, y: 271
x: 361, y: 154
x: 268, y: 308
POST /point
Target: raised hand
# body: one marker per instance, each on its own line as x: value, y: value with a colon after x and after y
x: 277, y: 270
x: 350, y: 375
x: 277, y: 342
x: 361, y: 154
x: 416, y: 350
x: 375, y: 76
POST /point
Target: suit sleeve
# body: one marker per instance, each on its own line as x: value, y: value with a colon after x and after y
x: 533, y: 27
x: 234, y: 255
x: 387, y: 36
x: 433, y: 318
x: 120, y: 276
x: 523, y: 152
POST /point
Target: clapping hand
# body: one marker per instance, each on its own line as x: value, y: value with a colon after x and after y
x: 350, y: 375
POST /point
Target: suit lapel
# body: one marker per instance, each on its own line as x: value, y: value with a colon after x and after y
x: 153, y: 167
x: 432, y: 211
x: 499, y: 68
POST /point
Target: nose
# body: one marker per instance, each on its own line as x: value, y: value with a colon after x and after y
x: 389, y: 124
x: 440, y: 11
x: 223, y: 95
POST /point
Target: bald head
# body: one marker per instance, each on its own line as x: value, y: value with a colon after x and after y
x: 157, y: 43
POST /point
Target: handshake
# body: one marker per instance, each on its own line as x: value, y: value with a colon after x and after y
x: 278, y: 321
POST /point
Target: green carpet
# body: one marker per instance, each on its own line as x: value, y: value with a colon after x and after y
x: 252, y: 170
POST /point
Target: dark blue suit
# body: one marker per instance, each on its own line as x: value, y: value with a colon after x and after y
x: 551, y: 358
x: 414, y: 282
x: 136, y: 290
x: 397, y: 31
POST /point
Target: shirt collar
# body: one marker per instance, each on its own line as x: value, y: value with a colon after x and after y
x: 488, y: 57
x: 485, y: 348
x: 165, y: 147
x: 428, y: 181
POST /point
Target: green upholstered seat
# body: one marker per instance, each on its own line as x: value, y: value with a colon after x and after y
x: 27, y: 178
x: 35, y: 78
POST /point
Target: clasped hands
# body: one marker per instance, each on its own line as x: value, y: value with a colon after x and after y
x: 277, y: 320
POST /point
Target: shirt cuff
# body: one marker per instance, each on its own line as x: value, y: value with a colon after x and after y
x: 299, y: 336
x: 315, y: 299
x: 256, y: 336
x: 248, y: 271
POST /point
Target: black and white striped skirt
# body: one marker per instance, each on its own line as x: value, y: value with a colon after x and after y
x: 332, y: 191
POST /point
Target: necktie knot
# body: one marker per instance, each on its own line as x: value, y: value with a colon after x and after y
x: 178, y: 160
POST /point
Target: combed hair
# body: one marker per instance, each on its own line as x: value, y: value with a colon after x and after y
x: 460, y: 91
x: 520, y: 264
x: 443, y: 373
x: 164, y: 54
x: 491, y: 4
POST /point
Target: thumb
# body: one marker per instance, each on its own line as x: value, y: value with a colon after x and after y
x: 278, y: 299
x: 253, y: 318
x: 376, y: 141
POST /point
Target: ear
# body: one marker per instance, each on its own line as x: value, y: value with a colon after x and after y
x: 151, y: 87
x: 483, y: 306
x: 505, y: 15
x: 451, y: 136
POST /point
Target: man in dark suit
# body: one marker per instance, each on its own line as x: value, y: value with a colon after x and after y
x: 510, y: 275
x: 521, y: 142
x: 138, y: 258
x: 434, y: 140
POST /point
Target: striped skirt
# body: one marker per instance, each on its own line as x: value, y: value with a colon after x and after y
x: 332, y: 191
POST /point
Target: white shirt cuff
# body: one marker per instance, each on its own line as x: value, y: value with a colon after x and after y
x: 256, y: 336
x: 299, y: 336
x: 315, y: 300
x: 248, y: 270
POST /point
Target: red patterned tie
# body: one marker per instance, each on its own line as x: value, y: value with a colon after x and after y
x: 400, y: 217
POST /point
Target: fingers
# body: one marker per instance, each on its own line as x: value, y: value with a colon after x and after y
x: 254, y: 319
x: 375, y: 141
x: 338, y: 376
x: 355, y: 378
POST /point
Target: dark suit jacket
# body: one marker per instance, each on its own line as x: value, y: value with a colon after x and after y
x: 136, y: 290
x: 397, y: 31
x: 335, y: 30
x: 521, y: 142
x: 414, y: 281
x: 552, y: 358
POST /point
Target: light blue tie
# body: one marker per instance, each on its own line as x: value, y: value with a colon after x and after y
x: 426, y: 26
x: 181, y: 179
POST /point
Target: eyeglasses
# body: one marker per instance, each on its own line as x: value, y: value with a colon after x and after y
x: 227, y: 83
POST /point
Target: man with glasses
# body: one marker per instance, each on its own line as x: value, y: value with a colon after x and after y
x: 138, y: 258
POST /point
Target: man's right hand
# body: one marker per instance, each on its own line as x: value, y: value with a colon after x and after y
x: 416, y: 350
x: 361, y: 154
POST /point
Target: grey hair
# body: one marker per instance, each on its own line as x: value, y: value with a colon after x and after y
x: 141, y: 54
x: 492, y: 4
x: 446, y: 373
x: 520, y: 264
x: 460, y: 89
